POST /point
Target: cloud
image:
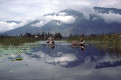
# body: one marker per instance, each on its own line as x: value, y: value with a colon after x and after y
x: 86, y: 16
x: 41, y: 23
x: 63, y: 60
x: 7, y: 25
x: 34, y: 8
x: 58, y: 23
x: 110, y: 17
x: 107, y: 3
x: 4, y: 26
x: 20, y: 10
x: 64, y: 19
x: 62, y: 13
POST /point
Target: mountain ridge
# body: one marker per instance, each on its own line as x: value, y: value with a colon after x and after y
x: 92, y: 25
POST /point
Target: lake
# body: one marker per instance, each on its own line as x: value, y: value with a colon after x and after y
x: 41, y: 61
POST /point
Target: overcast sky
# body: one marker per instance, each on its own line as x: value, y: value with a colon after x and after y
x: 29, y: 10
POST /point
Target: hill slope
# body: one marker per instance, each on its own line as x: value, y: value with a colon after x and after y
x: 89, y: 24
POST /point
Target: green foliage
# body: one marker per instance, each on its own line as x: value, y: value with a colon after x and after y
x: 19, y: 58
x: 75, y: 37
x: 57, y: 36
x: 26, y: 38
x: 104, y: 40
x: 16, y: 40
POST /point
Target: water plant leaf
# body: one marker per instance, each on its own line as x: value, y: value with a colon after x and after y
x: 11, y: 70
x: 19, y: 58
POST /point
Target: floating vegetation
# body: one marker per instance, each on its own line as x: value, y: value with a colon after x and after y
x: 12, y: 59
x: 16, y: 53
x: 1, y: 59
x: 28, y: 51
x: 11, y: 71
x: 18, y: 59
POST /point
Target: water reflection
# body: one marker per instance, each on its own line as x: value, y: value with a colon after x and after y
x: 52, y: 45
x: 107, y: 64
x: 64, y: 62
x: 82, y: 46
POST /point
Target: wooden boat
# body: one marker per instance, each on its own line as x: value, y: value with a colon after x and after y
x: 47, y: 41
x: 51, y: 40
x: 77, y: 43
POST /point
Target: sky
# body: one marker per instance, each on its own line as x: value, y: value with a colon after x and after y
x: 26, y: 11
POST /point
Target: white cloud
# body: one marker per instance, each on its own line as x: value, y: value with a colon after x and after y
x: 21, y: 8
x: 64, y: 59
x: 110, y: 17
x: 58, y: 23
x: 33, y: 9
x: 62, y: 13
x: 41, y: 23
x: 4, y: 26
x: 64, y: 19
x: 86, y: 16
x: 108, y: 3
x: 95, y: 18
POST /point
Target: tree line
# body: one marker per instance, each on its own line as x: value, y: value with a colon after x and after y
x: 41, y: 36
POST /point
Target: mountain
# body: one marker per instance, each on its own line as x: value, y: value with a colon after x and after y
x: 94, y: 24
x: 87, y: 24
x: 107, y: 10
x: 24, y: 29
x: 12, y: 21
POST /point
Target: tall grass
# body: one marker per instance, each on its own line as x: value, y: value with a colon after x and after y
x: 15, y: 41
x: 103, y: 41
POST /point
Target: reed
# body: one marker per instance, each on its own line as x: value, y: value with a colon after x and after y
x: 15, y: 41
x: 105, y: 40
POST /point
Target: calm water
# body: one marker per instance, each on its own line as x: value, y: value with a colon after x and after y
x: 64, y: 62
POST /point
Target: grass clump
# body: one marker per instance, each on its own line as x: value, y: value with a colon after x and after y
x: 104, y: 40
x: 16, y: 41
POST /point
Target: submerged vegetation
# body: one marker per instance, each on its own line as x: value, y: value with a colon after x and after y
x: 15, y: 53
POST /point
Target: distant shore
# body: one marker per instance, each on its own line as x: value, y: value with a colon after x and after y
x: 102, y: 41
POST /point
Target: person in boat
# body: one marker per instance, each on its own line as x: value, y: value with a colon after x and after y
x: 82, y: 41
x: 82, y: 44
x: 50, y: 40
x: 52, y: 46
x: 75, y: 42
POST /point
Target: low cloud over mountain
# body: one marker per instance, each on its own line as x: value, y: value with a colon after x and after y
x: 103, y: 20
x: 31, y: 10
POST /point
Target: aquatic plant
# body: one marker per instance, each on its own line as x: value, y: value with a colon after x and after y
x: 16, y: 53
x: 104, y: 40
x: 16, y: 41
